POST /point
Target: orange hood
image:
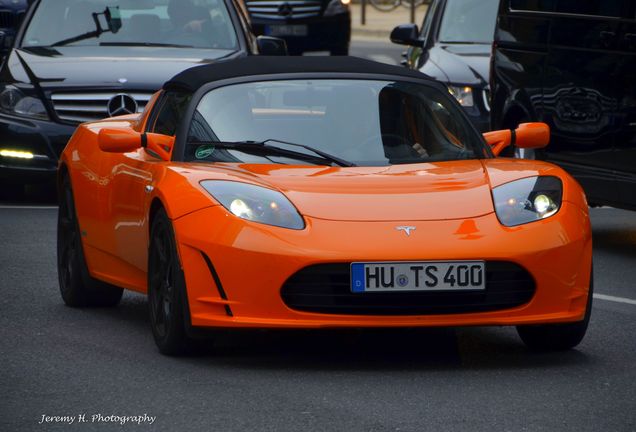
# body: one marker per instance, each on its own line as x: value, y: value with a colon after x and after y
x: 434, y: 191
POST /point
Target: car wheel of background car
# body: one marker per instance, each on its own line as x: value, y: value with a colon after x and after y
x: 556, y: 337
x: 166, y: 289
x: 77, y: 287
x: 340, y: 51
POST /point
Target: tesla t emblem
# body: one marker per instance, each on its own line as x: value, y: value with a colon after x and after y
x: 407, y: 229
x: 121, y: 104
x: 285, y: 9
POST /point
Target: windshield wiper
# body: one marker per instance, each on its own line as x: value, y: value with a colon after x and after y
x: 145, y: 44
x: 263, y: 147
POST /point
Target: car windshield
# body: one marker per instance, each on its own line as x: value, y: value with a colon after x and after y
x: 471, y: 21
x: 362, y: 122
x: 189, y: 23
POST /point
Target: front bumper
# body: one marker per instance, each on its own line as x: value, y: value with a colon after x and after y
x: 44, y: 139
x: 253, y: 261
x: 323, y: 33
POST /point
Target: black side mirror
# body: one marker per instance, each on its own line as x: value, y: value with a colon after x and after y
x: 271, y: 46
x: 406, y: 34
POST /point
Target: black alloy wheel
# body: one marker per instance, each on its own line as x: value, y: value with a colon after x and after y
x: 77, y: 287
x: 558, y: 337
x: 166, y: 289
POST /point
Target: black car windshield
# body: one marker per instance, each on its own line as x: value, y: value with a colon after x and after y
x: 182, y: 23
x: 471, y: 21
x: 362, y: 122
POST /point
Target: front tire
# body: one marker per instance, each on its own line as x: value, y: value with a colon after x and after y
x: 166, y: 289
x: 557, y: 337
x: 77, y: 287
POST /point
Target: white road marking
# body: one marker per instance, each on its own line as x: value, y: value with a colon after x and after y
x: 383, y: 59
x: 614, y: 299
x: 27, y: 207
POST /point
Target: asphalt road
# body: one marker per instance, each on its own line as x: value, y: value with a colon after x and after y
x: 59, y: 361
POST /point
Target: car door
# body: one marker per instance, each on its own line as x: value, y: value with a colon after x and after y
x: 579, y: 98
x: 134, y: 178
x: 625, y: 143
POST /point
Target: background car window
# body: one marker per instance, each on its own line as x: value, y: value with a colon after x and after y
x: 468, y: 21
x: 192, y: 23
x: 614, y: 8
x: 365, y: 122
x: 171, y: 111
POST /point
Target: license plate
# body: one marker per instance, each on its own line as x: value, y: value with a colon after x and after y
x: 418, y: 276
x: 286, y: 30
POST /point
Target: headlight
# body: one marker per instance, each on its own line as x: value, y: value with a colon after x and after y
x: 13, y: 101
x: 527, y: 200
x: 336, y: 7
x: 464, y: 95
x: 255, y: 203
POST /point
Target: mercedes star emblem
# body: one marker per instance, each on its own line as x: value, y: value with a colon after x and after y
x: 121, y: 104
x: 285, y: 9
x: 407, y: 229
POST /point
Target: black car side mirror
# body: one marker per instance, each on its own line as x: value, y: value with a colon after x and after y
x: 406, y: 34
x: 271, y: 46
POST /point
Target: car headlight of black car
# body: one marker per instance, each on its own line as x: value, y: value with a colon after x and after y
x: 336, y: 7
x: 463, y: 94
x: 21, y: 102
x: 527, y: 200
x: 255, y: 203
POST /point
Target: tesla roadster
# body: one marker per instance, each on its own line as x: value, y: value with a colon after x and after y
x: 320, y: 193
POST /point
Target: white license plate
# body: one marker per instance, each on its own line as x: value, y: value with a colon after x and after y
x: 418, y: 276
x: 288, y: 30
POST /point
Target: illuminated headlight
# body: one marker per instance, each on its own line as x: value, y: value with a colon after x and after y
x: 464, y: 95
x: 255, y: 203
x: 13, y: 101
x: 527, y: 200
x: 336, y: 7
x: 18, y: 154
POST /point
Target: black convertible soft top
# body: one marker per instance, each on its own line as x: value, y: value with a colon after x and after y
x: 192, y: 79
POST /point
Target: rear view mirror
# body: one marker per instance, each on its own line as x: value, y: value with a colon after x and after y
x: 527, y: 136
x: 406, y: 34
x: 113, y: 18
x: 114, y: 140
x: 271, y: 46
x: 532, y: 135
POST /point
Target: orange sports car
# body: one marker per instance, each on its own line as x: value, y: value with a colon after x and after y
x: 320, y: 192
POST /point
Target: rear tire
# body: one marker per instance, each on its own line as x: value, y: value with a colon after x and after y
x: 557, y: 337
x: 167, y: 289
x: 77, y: 287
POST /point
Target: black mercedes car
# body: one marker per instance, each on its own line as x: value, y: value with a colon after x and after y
x: 103, y: 59
x: 306, y: 25
x: 11, y: 13
x: 454, y: 47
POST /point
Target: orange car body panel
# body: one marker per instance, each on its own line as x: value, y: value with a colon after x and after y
x: 350, y: 213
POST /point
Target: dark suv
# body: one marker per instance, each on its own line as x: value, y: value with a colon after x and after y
x: 306, y: 25
x: 11, y: 13
x: 454, y: 47
x: 572, y: 64
x: 102, y: 59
